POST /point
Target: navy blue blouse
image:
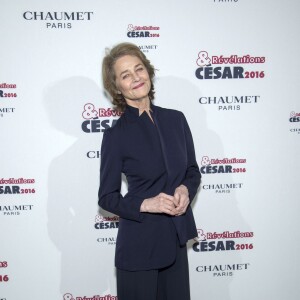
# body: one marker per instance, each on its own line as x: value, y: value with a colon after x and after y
x: 155, y: 157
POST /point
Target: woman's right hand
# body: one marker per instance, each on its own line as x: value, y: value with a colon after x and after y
x: 162, y: 203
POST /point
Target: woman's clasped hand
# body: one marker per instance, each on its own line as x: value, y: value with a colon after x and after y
x: 175, y: 205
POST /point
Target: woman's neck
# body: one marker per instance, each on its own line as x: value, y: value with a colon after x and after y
x: 142, y: 105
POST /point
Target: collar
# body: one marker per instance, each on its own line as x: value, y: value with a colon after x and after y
x: 131, y: 110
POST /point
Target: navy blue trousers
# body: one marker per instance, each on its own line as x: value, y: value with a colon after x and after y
x: 169, y: 283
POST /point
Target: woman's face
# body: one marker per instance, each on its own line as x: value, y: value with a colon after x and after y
x: 132, y: 78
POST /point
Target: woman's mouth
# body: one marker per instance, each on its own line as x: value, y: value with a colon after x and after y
x: 138, y: 86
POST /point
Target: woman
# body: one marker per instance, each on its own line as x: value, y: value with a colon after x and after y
x: 153, y: 147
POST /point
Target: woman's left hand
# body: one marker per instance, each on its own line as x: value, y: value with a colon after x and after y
x: 182, y: 200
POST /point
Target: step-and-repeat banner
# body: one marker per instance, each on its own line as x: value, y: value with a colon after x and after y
x: 230, y: 66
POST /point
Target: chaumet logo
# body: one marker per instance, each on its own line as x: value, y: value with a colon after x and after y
x: 56, y: 20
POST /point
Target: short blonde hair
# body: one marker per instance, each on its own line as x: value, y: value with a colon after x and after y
x: 109, y: 76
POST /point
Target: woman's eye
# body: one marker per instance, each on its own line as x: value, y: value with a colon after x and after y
x: 125, y: 76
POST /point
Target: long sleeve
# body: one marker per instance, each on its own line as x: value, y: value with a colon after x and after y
x: 155, y: 157
x: 193, y: 175
x: 109, y: 194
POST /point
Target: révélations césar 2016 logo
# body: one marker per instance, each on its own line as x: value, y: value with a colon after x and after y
x: 224, y: 241
x: 229, y: 67
x: 225, y: 165
x: 12, y: 186
x: 294, y: 117
x: 97, y: 120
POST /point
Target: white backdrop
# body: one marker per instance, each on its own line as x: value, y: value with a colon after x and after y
x: 55, y: 243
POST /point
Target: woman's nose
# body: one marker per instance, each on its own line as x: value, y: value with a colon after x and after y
x: 136, y: 77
